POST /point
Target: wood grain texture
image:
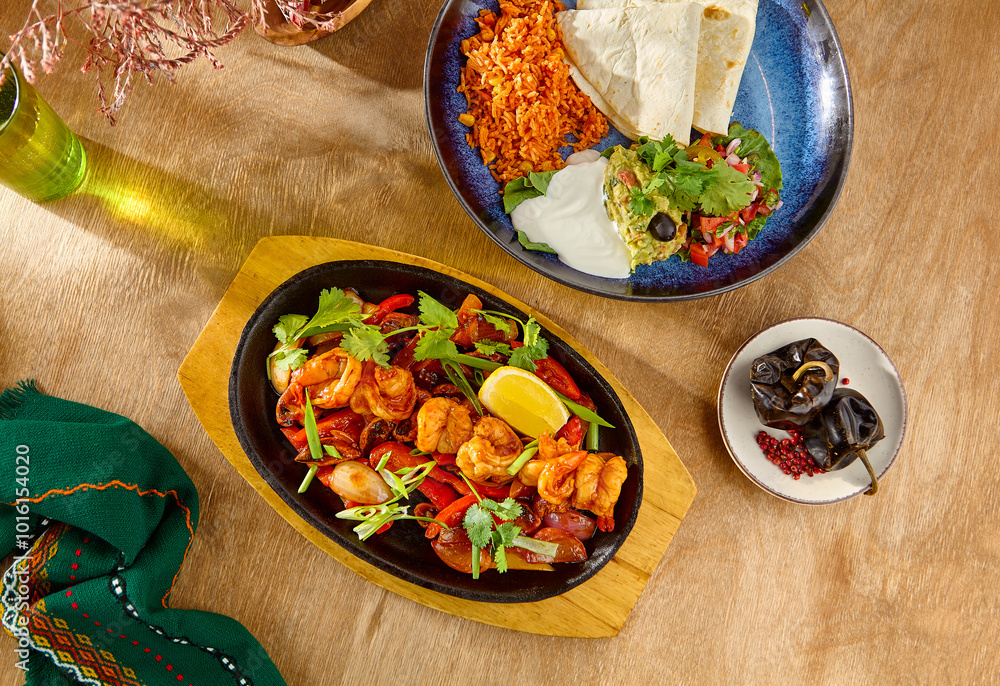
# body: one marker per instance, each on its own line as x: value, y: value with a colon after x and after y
x: 103, y: 294
x: 595, y: 609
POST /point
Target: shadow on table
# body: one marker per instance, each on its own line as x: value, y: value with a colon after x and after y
x: 385, y: 43
x: 148, y: 209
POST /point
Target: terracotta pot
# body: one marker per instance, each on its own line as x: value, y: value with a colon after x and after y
x: 276, y: 29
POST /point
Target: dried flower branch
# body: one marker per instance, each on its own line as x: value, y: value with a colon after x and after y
x: 126, y: 38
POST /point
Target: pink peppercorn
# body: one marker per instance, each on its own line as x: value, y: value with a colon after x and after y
x: 788, y: 454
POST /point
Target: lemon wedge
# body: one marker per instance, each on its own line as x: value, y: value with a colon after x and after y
x: 524, y: 401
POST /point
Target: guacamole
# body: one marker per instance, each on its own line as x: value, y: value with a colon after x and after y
x: 625, y: 172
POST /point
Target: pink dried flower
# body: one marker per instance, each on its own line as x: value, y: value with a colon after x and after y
x: 126, y: 38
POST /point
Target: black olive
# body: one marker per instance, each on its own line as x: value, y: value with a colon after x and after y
x: 662, y: 227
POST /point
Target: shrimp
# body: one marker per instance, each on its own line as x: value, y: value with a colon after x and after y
x: 493, y: 447
x: 443, y: 426
x: 587, y: 477
x: 609, y: 487
x: 389, y: 394
x: 555, y: 481
x: 548, y: 449
x: 331, y: 378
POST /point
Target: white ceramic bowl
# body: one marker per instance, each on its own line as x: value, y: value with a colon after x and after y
x: 869, y: 371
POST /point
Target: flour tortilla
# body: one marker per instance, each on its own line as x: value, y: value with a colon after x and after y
x: 640, y: 62
x: 727, y: 31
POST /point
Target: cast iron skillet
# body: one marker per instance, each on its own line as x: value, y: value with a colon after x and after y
x: 403, y: 551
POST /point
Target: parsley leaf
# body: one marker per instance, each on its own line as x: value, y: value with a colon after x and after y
x: 288, y: 325
x: 433, y: 313
x: 478, y: 523
x: 492, y: 347
x: 640, y: 204
x: 499, y: 323
x: 293, y: 358
x: 657, y: 154
x: 367, y: 343
x: 730, y: 192
x: 535, y: 347
x: 334, y: 308
x: 435, y: 344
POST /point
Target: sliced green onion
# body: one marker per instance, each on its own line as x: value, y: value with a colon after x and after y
x: 522, y: 459
x: 308, y: 478
x: 592, y: 436
x: 315, y: 447
x: 536, y: 546
x: 479, y: 377
x: 395, y: 483
x: 471, y: 486
x: 381, y: 463
x: 581, y: 411
x: 456, y: 376
x: 475, y: 362
x: 475, y: 562
x: 332, y: 451
x: 416, y: 452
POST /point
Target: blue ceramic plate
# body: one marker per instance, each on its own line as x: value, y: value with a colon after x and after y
x: 795, y: 91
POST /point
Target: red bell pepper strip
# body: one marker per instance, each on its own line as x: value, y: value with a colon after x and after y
x: 573, y: 430
x: 554, y: 374
x: 451, y: 516
x: 492, y: 492
x: 441, y: 495
x: 293, y: 437
x: 390, y: 304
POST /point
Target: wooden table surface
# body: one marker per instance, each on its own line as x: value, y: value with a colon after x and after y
x: 103, y: 294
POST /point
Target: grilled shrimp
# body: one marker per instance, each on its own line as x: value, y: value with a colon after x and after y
x: 389, y: 394
x: 609, y: 487
x: 486, y: 456
x: 588, y: 475
x: 331, y: 378
x: 443, y: 426
x: 556, y: 482
x: 549, y: 449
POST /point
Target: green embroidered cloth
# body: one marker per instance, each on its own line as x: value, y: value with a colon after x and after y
x: 100, y: 517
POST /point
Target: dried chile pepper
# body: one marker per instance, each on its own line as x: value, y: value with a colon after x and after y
x: 842, y: 432
x: 790, y: 385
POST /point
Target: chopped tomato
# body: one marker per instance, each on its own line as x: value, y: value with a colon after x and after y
x: 709, y: 224
x: 739, y: 242
x: 627, y: 176
x: 742, y: 168
x: 706, y: 140
x: 698, y: 255
x: 748, y: 213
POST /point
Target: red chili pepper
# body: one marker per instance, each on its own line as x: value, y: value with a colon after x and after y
x: 451, y: 516
x: 390, y: 304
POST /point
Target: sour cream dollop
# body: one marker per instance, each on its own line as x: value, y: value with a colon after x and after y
x: 570, y: 218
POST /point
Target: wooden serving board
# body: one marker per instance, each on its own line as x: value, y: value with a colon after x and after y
x: 595, y: 608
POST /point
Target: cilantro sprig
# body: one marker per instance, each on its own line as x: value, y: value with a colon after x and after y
x: 490, y: 526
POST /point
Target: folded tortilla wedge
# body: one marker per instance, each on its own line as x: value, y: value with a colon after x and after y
x: 727, y: 30
x: 640, y: 62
